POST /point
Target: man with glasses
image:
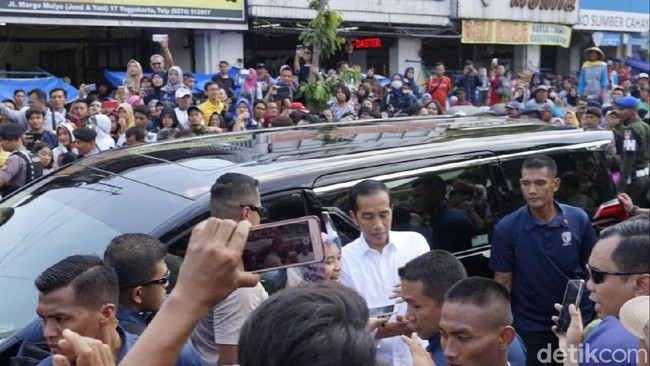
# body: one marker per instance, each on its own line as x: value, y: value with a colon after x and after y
x: 236, y: 197
x: 139, y: 261
x: 619, y: 271
x: 80, y: 293
x: 535, y: 250
x: 213, y: 104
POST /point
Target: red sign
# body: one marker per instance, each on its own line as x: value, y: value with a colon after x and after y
x: 368, y: 43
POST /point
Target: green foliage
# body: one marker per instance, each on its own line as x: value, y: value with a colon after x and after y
x: 350, y: 77
x: 318, y: 92
x: 322, y: 31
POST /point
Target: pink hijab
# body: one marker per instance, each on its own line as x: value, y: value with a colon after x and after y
x: 250, y: 84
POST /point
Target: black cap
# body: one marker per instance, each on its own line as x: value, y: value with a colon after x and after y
x: 594, y: 111
x: 260, y: 65
x: 194, y: 107
x: 188, y: 75
x: 84, y: 134
x: 11, y: 131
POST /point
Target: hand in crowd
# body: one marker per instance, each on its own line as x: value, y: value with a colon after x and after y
x: 88, y: 351
x: 397, y: 293
x: 626, y: 201
x: 376, y: 322
x: 573, y: 336
x: 401, y: 326
x: 419, y: 354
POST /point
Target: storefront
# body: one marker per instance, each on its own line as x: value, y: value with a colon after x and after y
x: 620, y: 28
x: 79, y: 39
x: 517, y: 31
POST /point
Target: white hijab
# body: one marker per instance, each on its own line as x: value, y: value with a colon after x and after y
x: 103, y: 140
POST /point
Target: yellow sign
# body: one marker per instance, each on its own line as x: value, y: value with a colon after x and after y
x: 515, y: 33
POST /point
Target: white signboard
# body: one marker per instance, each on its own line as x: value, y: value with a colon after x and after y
x: 617, y: 21
x: 538, y: 11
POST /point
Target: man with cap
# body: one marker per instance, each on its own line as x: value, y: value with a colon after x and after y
x: 642, y: 80
x: 15, y: 173
x: 635, y: 317
x: 636, y: 152
x: 546, y: 115
x: 591, y: 119
x: 85, y: 141
x: 593, y: 81
x: 513, y: 110
x: 183, y: 100
x: 540, y: 98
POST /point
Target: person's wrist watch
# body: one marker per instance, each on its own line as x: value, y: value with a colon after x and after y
x: 634, y: 209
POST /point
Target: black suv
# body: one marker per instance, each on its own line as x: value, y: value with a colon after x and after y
x: 163, y: 188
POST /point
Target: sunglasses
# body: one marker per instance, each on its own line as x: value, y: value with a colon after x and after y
x: 158, y: 281
x: 598, y: 276
x: 259, y: 209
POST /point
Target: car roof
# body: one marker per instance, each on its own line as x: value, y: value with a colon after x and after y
x: 188, y: 167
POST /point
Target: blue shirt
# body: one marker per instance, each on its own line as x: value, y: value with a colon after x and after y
x: 188, y: 356
x: 542, y: 258
x: 610, y: 341
x: 516, y: 352
x: 132, y: 321
x: 453, y: 229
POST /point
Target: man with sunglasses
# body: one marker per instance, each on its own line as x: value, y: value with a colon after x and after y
x: 535, y: 250
x: 236, y: 197
x: 80, y: 293
x: 619, y: 271
x: 139, y: 261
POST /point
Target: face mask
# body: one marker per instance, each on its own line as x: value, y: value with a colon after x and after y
x: 396, y: 84
x: 552, y: 95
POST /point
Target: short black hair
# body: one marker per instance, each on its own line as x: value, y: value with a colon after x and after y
x: 94, y: 282
x: 540, y: 162
x: 341, y: 63
x: 68, y: 157
x: 633, y: 250
x: 438, y: 270
x: 209, y: 84
x: 258, y: 101
x: 223, y: 63
x: 40, y: 94
x: 9, y: 101
x: 365, y: 188
x: 65, y: 92
x: 311, y: 324
x: 439, y: 64
x: 32, y: 111
x: 229, y: 192
x: 18, y: 91
x: 136, y: 132
x: 142, y: 109
x: 134, y: 257
x: 483, y: 293
x: 432, y: 182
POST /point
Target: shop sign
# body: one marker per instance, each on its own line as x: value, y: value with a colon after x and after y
x: 160, y: 10
x: 515, y: 33
x: 617, y: 21
x: 366, y: 43
x: 539, y: 11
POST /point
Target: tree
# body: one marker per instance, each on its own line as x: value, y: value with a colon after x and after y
x: 322, y: 35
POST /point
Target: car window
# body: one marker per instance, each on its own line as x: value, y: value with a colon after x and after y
x: 585, y: 180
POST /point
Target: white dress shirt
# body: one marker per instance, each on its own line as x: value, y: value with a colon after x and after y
x: 373, y: 275
x: 182, y: 118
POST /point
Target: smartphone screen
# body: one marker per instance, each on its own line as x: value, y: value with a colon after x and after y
x: 572, y: 295
x: 381, y: 311
x: 282, y: 93
x: 283, y: 244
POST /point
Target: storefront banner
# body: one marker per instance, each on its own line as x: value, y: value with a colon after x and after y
x: 515, y: 33
x: 605, y: 39
x: 538, y: 11
x: 618, y: 16
x: 165, y: 10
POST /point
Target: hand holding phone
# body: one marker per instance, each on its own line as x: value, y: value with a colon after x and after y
x: 572, y: 295
x: 160, y: 38
x: 382, y: 311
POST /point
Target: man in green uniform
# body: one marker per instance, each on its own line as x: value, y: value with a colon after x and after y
x: 635, y: 154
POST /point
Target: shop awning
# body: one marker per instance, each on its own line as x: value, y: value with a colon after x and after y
x: 7, y: 86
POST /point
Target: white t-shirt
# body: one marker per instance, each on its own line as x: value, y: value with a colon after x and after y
x: 222, y: 324
x: 373, y: 275
x: 182, y: 118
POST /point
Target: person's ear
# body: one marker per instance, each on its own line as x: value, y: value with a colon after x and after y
x: 353, y: 216
x: 108, y: 315
x: 245, y: 213
x: 136, y: 294
x: 556, y: 184
x: 506, y: 337
x: 642, y: 285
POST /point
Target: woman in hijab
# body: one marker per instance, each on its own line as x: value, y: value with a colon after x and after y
x: 251, y: 86
x: 571, y: 120
x: 242, y: 119
x: 154, y: 92
x: 66, y: 141
x: 174, y: 82
x: 102, y: 125
x: 133, y: 77
x: 126, y: 118
x: 409, y: 74
x: 425, y: 99
x: 395, y: 99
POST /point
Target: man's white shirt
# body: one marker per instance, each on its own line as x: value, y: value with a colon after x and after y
x: 373, y: 275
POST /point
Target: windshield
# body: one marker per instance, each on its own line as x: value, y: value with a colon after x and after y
x: 66, y: 215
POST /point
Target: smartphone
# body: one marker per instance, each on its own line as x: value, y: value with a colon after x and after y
x: 382, y: 311
x: 35, y: 136
x: 300, y: 47
x: 91, y: 87
x: 283, y: 93
x: 159, y: 37
x: 495, y: 61
x: 283, y: 244
x: 572, y: 295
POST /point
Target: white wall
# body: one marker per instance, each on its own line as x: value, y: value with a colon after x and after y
x: 214, y: 46
x: 423, y: 12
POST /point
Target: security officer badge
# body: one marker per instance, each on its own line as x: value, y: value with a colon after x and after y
x: 566, y: 238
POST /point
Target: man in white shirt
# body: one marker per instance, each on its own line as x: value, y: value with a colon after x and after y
x: 370, y: 263
x: 184, y: 101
